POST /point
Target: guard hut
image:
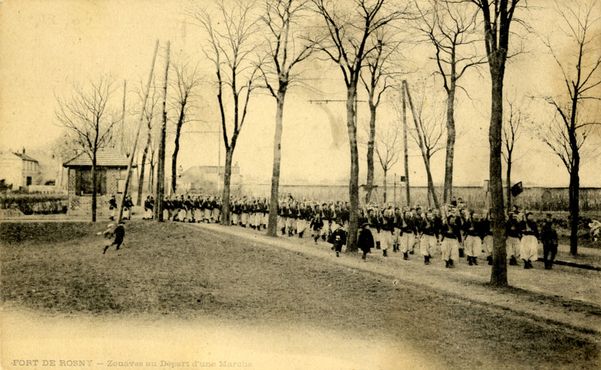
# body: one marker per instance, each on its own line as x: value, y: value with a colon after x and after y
x: 111, y: 170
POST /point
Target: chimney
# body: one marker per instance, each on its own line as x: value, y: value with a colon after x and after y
x: 23, y: 150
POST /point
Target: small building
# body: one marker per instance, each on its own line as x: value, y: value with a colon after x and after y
x: 111, y: 170
x: 18, y: 170
x: 207, y: 179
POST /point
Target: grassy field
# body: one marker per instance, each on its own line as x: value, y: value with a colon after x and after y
x: 176, y: 272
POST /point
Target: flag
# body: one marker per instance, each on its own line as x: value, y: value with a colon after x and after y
x: 517, y: 189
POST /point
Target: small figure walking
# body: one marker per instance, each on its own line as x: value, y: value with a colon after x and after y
x: 365, y: 240
x: 337, y: 238
x: 118, y: 232
x: 112, y: 207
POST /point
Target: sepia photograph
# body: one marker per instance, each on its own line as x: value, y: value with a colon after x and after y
x: 300, y: 184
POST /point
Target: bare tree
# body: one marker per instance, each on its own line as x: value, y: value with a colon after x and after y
x: 582, y: 79
x: 281, y: 18
x: 185, y: 83
x: 231, y: 50
x: 498, y: 16
x: 451, y: 29
x: 511, y: 134
x: 160, y: 185
x: 348, y: 32
x: 149, y: 116
x: 85, y: 115
x: 387, y: 150
x: 377, y: 77
x: 427, y: 135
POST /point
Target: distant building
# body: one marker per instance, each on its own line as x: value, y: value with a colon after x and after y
x: 19, y: 170
x: 207, y: 179
x: 111, y: 170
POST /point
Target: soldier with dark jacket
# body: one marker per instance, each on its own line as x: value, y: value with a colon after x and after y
x: 128, y: 206
x: 514, y: 235
x: 529, y: 242
x: 365, y: 242
x: 337, y: 238
x: 548, y: 236
x: 430, y: 229
x: 112, y: 206
x: 316, y: 223
x: 327, y: 221
x: 472, y: 238
x: 486, y: 236
x: 451, y: 234
x: 118, y: 232
x: 387, y: 229
x: 409, y: 230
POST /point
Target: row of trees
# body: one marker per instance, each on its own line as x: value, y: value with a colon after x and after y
x: 263, y: 47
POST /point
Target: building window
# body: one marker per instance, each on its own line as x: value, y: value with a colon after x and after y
x: 28, y: 181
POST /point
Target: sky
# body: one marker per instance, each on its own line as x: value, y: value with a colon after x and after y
x: 47, y: 47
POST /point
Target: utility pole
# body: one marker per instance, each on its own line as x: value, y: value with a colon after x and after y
x: 406, y: 149
x: 160, y: 186
x: 394, y: 189
x: 131, y: 156
x: 123, y: 118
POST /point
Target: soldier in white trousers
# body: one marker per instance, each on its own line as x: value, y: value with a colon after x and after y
x: 409, y: 231
x: 451, y: 233
x: 529, y: 242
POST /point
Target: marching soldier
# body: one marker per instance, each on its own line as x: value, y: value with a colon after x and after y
x: 514, y: 235
x: 529, y: 242
x: 316, y: 223
x: 337, y: 238
x: 430, y: 233
x: 365, y: 242
x: 451, y: 233
x: 472, y: 237
x: 387, y: 234
x: 409, y: 230
x: 487, y: 239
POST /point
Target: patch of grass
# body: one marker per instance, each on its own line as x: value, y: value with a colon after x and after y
x: 171, y: 269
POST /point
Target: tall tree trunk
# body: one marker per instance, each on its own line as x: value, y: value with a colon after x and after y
x: 370, y: 152
x: 141, y: 177
x: 425, y: 155
x: 499, y: 268
x: 508, y: 179
x: 94, y: 189
x: 574, y: 199
x: 151, y: 173
x: 385, y: 184
x: 431, y: 183
x: 406, y: 149
x: 351, y: 117
x: 227, y: 179
x: 160, y: 186
x: 450, y: 149
x: 178, y: 131
x: 277, y: 158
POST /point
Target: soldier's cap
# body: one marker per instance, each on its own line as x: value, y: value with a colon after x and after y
x: 365, y: 224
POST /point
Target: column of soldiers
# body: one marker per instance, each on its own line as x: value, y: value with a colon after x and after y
x: 452, y: 233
